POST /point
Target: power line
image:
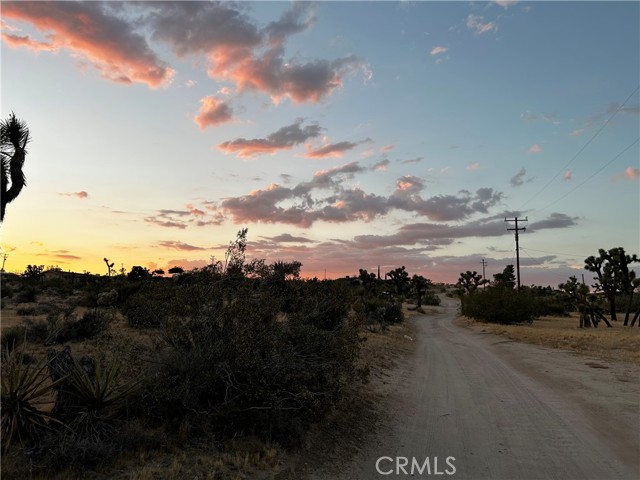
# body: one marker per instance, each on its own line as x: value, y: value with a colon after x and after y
x: 583, y: 147
x: 548, y: 271
x: 591, y: 176
x: 558, y: 253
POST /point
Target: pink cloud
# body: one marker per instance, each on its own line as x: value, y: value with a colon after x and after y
x: 630, y: 173
x: 577, y: 132
x: 213, y: 112
x: 194, y: 211
x: 380, y: 166
x: 567, y: 175
x: 388, y: 148
x: 107, y: 42
x: 236, y: 48
x: 505, y: 3
x: 81, y: 195
x: 283, y: 139
x: 271, y: 74
x: 26, y: 41
x: 475, y: 22
x: 535, y: 148
x: 251, y: 58
x: 474, y: 166
x: 176, y: 245
x: 191, y: 216
x: 439, y: 50
x: 335, y: 150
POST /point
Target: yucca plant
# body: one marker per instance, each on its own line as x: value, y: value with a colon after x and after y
x: 97, y: 391
x: 24, y: 386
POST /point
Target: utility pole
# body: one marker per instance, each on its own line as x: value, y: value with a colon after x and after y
x: 4, y: 259
x: 516, y: 230
x: 484, y: 279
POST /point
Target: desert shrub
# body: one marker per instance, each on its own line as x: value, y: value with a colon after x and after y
x: 27, y: 294
x: 323, y: 304
x: 7, y: 291
x: 149, y: 307
x: 550, y: 305
x: 499, y: 305
x: 64, y: 449
x: 244, y: 367
x: 91, y: 324
x: 383, y: 310
x: 34, y: 309
x: 430, y: 298
x: 13, y: 337
x: 107, y: 299
x: 622, y: 303
x: 37, y: 330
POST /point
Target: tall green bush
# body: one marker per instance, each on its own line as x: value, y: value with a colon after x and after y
x: 499, y: 305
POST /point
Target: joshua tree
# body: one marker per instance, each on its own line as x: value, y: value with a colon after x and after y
x: 109, y: 266
x: 469, y: 282
x: 14, y: 136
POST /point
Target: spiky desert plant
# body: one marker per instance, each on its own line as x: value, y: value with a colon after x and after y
x: 98, y: 389
x: 24, y: 387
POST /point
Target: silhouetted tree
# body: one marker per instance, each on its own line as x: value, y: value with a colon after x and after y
x: 176, y: 270
x: 110, y: 269
x: 613, y: 276
x: 14, y: 136
x: 400, y: 279
x: 235, y: 254
x: 420, y: 286
x: 587, y: 305
x: 33, y: 272
x: 506, y: 279
x: 367, y: 279
x: 469, y: 282
x: 138, y: 273
x: 625, y: 277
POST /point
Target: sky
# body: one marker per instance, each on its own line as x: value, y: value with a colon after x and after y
x: 343, y: 135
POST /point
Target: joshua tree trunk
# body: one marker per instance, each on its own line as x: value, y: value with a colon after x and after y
x: 14, y: 137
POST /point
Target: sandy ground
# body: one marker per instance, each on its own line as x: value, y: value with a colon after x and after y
x: 501, y: 409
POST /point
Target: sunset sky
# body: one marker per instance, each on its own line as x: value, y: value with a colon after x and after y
x: 344, y: 135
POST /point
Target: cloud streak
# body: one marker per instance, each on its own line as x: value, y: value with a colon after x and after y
x: 283, y: 139
x: 81, y: 194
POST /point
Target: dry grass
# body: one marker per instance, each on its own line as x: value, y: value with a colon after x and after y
x: 617, y: 343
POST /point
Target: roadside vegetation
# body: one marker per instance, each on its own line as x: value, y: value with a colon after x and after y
x: 567, y: 317
x: 100, y: 368
x: 499, y: 302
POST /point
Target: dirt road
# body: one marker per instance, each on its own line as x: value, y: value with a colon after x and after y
x: 490, y: 408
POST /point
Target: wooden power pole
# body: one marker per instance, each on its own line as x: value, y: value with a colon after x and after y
x: 484, y: 278
x: 516, y: 230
